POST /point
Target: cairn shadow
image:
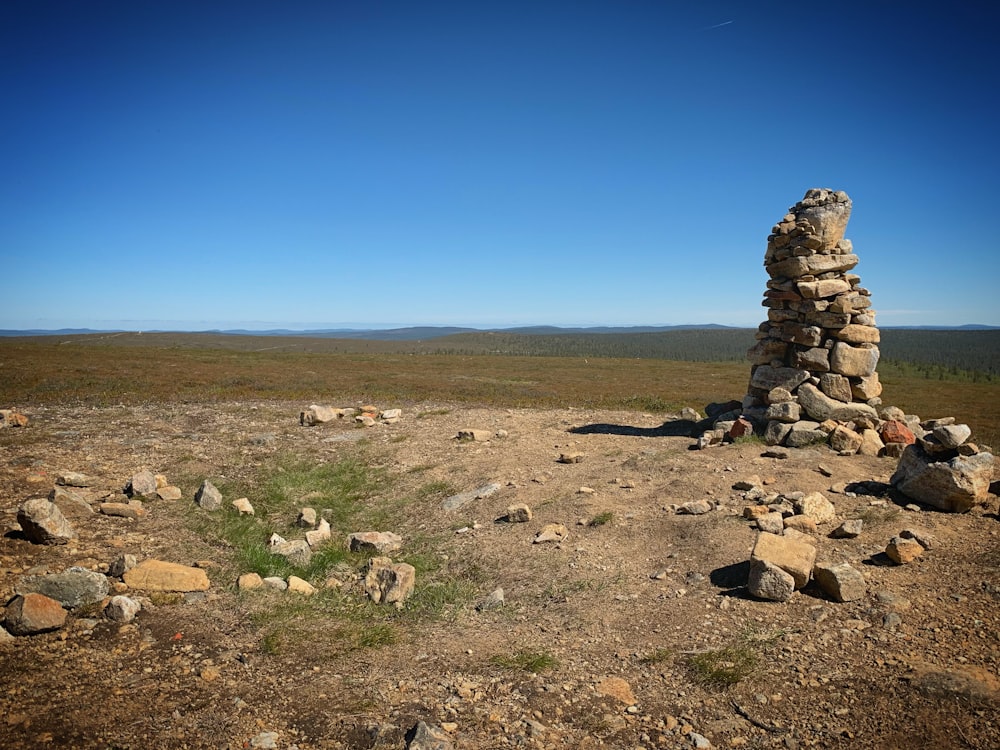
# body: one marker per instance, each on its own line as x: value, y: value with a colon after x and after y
x: 674, y: 428
x: 732, y: 579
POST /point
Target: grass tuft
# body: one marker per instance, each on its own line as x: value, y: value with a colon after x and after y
x: 528, y: 661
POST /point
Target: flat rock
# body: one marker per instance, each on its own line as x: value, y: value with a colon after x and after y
x: 955, y: 485
x: 300, y: 586
x: 816, y: 507
x: 551, y: 532
x: 848, y: 529
x: 474, y: 435
x: 74, y: 479
x: 157, y: 575
x: 374, y: 541
x: 243, y: 506
x: 617, y: 688
x: 169, y: 492
x: 454, y: 502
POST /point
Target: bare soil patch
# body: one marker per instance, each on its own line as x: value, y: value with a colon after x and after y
x: 635, y: 592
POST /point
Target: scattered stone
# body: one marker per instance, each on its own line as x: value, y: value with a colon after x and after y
x: 300, y: 586
x: 695, y: 507
x: 297, y: 551
x: 70, y: 502
x: 43, y: 523
x: 122, y: 609
x: 74, y: 479
x: 318, y: 415
x: 121, y: 564
x: 319, y: 535
x: 169, y: 493
x: 157, y: 575
x: 274, y: 582
x: 494, y: 601
x: 753, y: 512
x: 390, y: 416
x: 428, y: 737
x: 952, y: 435
x: 617, y: 688
x: 519, y: 513
x: 464, y: 498
x: 374, y: 541
x: 249, y: 581
x: 208, y: 496
x: 365, y: 420
x: 11, y: 418
x: 306, y: 519
x: 29, y: 614
x: 265, y: 741
x: 840, y: 581
x: 816, y: 507
x: 242, y: 506
x: 142, y: 484
x: 848, y: 529
x: 902, y: 551
x: 770, y: 582
x: 794, y: 557
x: 570, y: 458
x: 771, y: 522
x: 551, y: 532
x: 132, y: 510
x: 387, y: 582
x: 923, y: 538
x: 775, y: 453
x: 805, y: 524
x: 474, y: 435
x: 74, y: 587
x: 955, y: 485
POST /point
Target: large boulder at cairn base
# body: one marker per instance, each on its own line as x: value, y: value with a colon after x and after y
x: 955, y: 485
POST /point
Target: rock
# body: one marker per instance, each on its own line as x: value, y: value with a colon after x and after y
x: 835, y: 386
x: 804, y: 524
x: 30, y: 614
x: 11, y: 418
x: 297, y: 551
x: 169, y: 493
x: 122, y: 609
x: 265, y: 741
x: 320, y: 534
x: 365, y: 420
x: 952, y: 435
x: 70, y: 503
x: 695, y: 507
x: 519, y: 513
x: 772, y: 523
x: 374, y: 541
x: 551, y: 532
x: 390, y: 415
x: 300, y: 586
x: 955, y: 485
x: 853, y: 361
x: 306, y: 519
x: 786, y: 412
x: 617, y: 688
x: 816, y: 507
x: 753, y: 512
x: 741, y: 428
x: 770, y: 582
x: 428, y: 737
x: 121, y: 564
x: 133, y: 510
x: 43, y: 523
x: 273, y: 582
x: 142, y: 484
x: 318, y: 415
x: 249, y: 581
x: 923, y: 538
x: 840, y: 581
x: 821, y: 407
x: 387, y: 582
x: 902, y: 551
x: 464, y: 498
x: 848, y: 529
x: 494, y: 601
x: 895, y: 431
x: 794, y: 557
x: 805, y: 433
x: 74, y: 587
x: 74, y: 479
x: 570, y: 458
x: 767, y: 378
x: 208, y: 496
x: 871, y: 443
x: 474, y: 435
x: 844, y: 440
x: 775, y: 434
x: 157, y: 575
x: 242, y: 506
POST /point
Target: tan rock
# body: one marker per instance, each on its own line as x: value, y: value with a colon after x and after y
x: 300, y: 586
x: 871, y: 443
x: 551, y: 532
x: 805, y: 524
x: 903, y: 551
x: 857, y: 334
x: 249, y: 581
x: 521, y: 513
x: 794, y: 557
x: 157, y: 575
x: 28, y: 614
x: 617, y: 688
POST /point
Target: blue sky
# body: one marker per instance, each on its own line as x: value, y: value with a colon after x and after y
x: 192, y: 165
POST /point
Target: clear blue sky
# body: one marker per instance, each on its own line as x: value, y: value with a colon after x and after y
x: 191, y: 165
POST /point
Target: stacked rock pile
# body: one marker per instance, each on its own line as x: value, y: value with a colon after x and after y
x: 815, y: 356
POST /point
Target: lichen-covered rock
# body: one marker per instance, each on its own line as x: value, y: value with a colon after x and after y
x: 956, y: 484
x: 43, y: 523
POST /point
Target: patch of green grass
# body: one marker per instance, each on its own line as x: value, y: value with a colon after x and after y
x: 752, y: 439
x: 528, y: 661
x: 433, y: 413
x: 722, y: 667
x: 601, y: 518
x: 434, y: 489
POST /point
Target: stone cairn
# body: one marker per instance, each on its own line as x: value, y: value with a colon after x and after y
x: 815, y: 356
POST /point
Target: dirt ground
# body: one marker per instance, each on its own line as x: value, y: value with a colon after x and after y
x: 638, y: 597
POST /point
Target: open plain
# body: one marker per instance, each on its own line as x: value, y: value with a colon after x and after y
x: 633, y: 629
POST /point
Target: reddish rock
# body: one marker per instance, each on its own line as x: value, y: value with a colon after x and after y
x: 894, y: 431
x: 34, y: 613
x: 741, y: 428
